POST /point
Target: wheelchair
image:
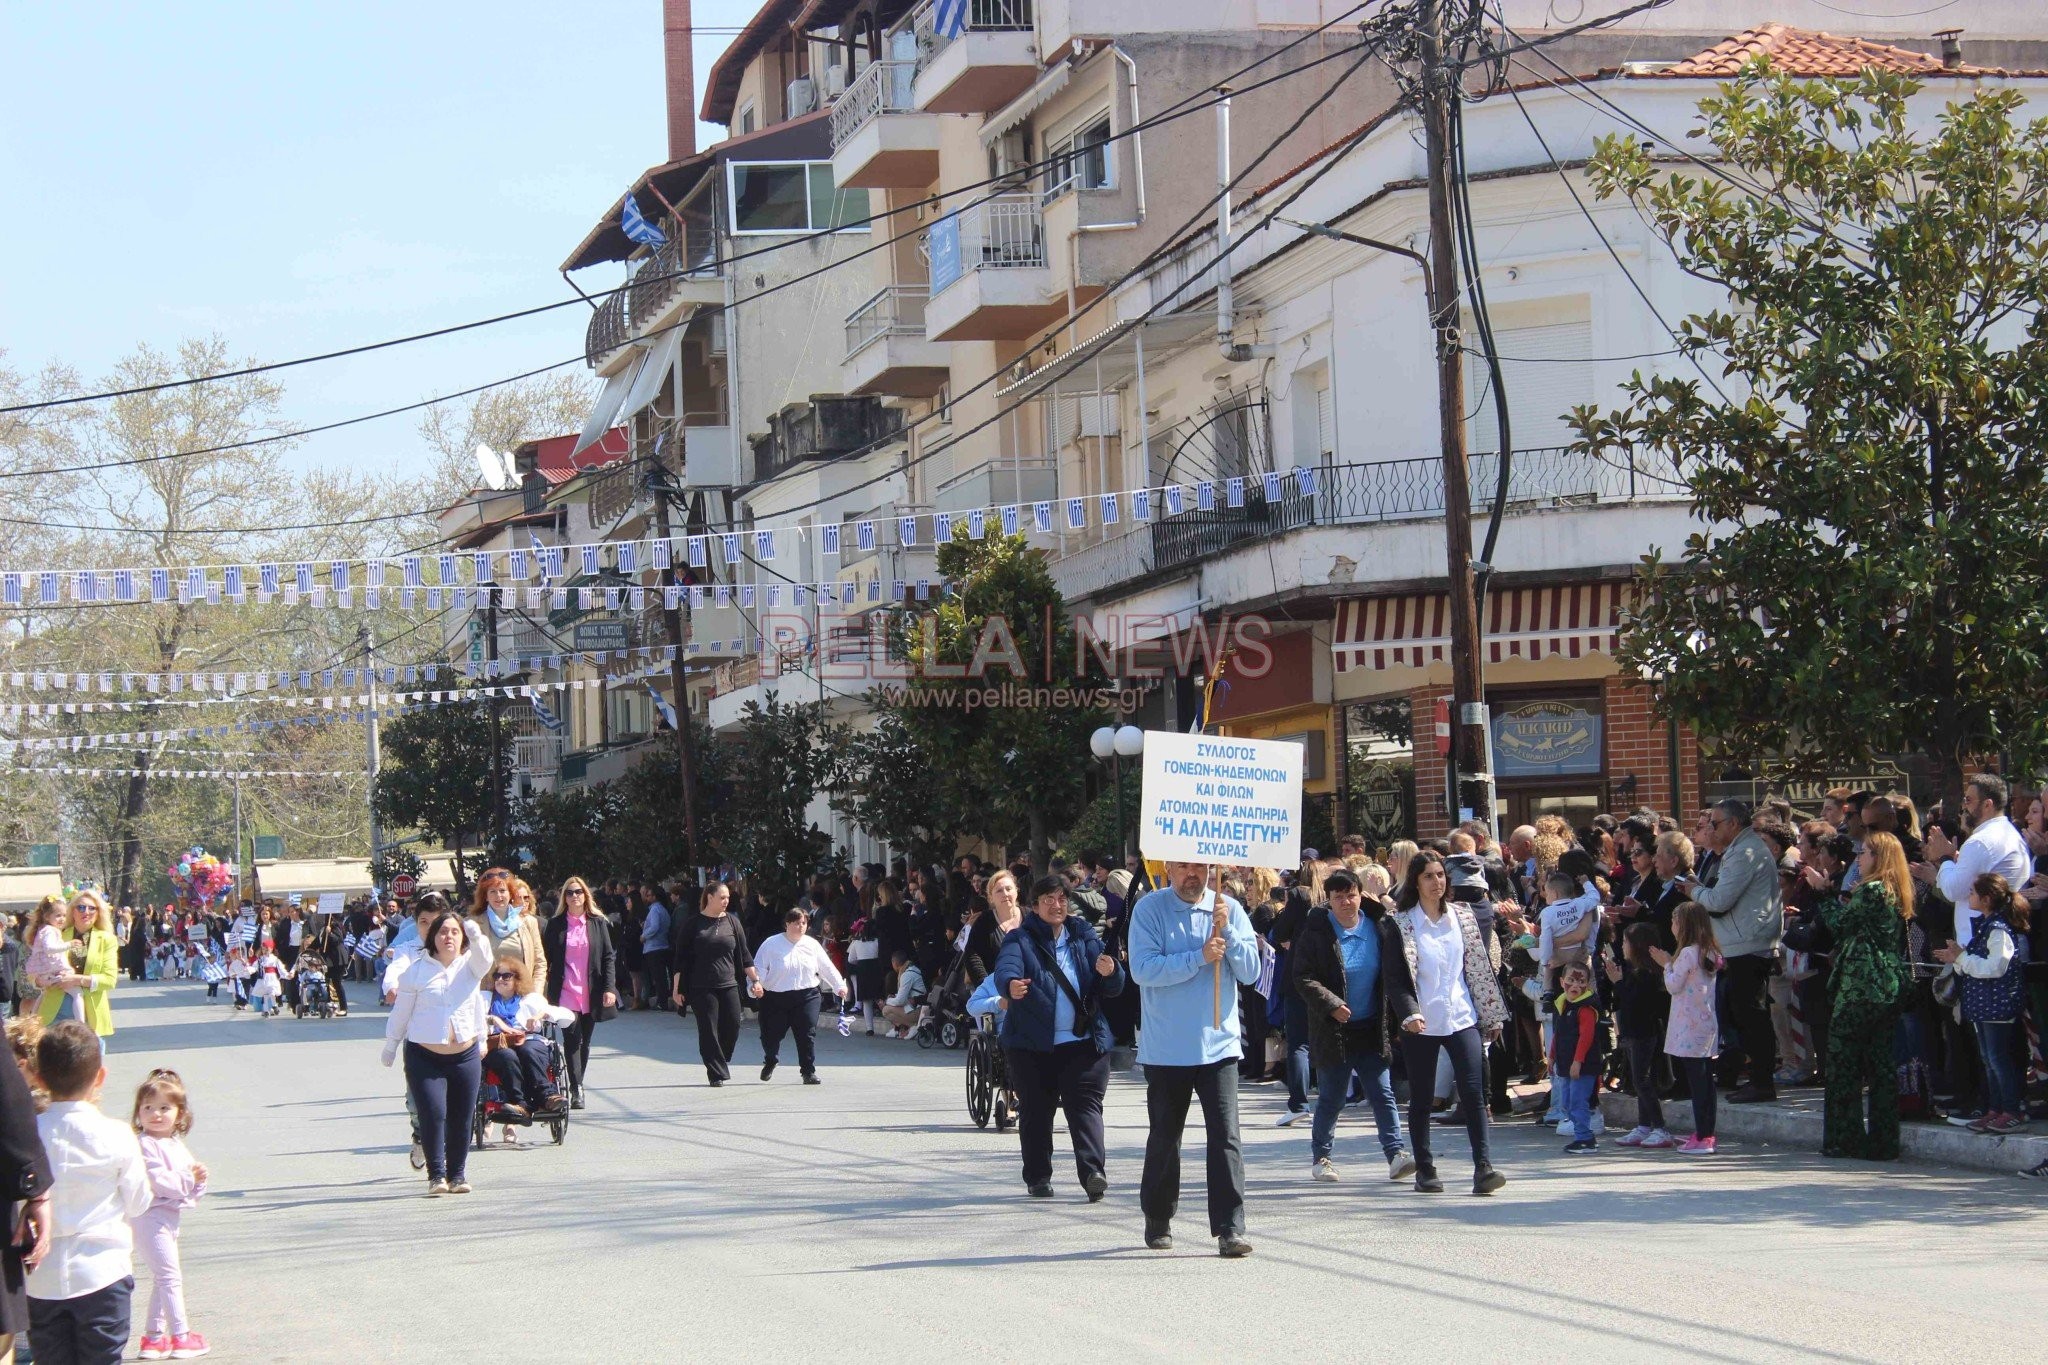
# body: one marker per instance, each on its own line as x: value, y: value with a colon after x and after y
x: 490, y: 1113
x: 988, y: 1079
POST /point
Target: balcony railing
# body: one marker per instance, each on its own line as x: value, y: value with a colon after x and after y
x: 690, y: 252
x: 1360, y: 494
x: 896, y: 311
x: 1006, y: 233
x: 884, y: 88
x: 826, y: 428
x: 939, y: 22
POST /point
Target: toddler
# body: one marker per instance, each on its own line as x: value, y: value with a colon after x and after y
x: 163, y: 1117
x: 1577, y: 1049
x: 239, y: 972
x: 48, y: 961
x: 79, y: 1295
x: 268, y: 990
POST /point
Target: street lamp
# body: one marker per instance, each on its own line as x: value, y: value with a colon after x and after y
x: 1113, y: 744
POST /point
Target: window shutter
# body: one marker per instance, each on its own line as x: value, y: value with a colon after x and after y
x: 1326, y: 426
x: 1548, y: 371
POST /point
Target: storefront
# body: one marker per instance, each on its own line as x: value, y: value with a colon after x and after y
x: 1286, y: 697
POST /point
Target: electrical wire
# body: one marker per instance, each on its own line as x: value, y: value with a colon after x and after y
x: 1182, y: 110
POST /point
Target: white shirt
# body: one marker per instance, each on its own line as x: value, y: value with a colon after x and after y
x: 1441, y: 995
x: 799, y: 966
x: 438, y: 1004
x: 1994, y: 846
x: 99, y: 1183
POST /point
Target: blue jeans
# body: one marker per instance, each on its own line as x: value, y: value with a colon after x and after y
x: 1296, y: 1014
x: 2001, y: 1077
x: 1334, y: 1086
x: 1578, y: 1098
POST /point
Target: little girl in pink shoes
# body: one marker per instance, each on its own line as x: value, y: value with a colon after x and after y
x: 162, y: 1118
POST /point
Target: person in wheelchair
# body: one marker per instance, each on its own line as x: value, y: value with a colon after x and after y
x: 516, y: 1056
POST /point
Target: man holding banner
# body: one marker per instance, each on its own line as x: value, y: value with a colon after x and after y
x: 1186, y: 939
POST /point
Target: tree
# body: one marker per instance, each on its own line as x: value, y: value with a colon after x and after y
x: 999, y: 772
x: 1875, y: 573
x: 435, y: 775
x: 569, y: 833
x: 781, y: 758
x: 884, y: 784
x: 501, y: 418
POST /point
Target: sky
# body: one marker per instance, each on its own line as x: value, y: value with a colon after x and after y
x: 301, y: 177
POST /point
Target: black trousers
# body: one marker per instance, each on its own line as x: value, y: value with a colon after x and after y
x: 794, y: 1013
x: 91, y: 1329
x: 655, y: 973
x: 576, y: 1044
x: 444, y: 1097
x: 718, y: 1028
x: 1167, y: 1092
x: 520, y: 1073
x: 1073, y: 1076
x: 1745, y: 985
x: 1468, y: 1065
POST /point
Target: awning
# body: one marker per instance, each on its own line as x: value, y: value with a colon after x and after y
x: 22, y: 887
x: 1109, y: 359
x: 607, y: 406
x: 654, y: 371
x: 1020, y: 108
x: 308, y: 877
x: 1414, y: 630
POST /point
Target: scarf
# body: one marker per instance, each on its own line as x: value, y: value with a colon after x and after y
x: 506, y: 927
x: 502, y: 1008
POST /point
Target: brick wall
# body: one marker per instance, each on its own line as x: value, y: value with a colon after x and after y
x: 1431, y: 820
x: 1639, y: 743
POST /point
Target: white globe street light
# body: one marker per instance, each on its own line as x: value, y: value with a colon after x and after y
x: 1129, y: 741
x: 1103, y: 742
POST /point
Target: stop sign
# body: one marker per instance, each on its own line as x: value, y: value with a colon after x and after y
x: 403, y: 885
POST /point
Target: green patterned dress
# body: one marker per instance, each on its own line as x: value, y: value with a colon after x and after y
x: 1864, y: 983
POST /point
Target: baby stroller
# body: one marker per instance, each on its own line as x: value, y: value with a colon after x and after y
x: 943, y: 1021
x: 316, y: 997
x: 988, y: 1078
x: 490, y: 1109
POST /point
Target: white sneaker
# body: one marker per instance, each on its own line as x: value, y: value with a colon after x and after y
x: 1634, y: 1136
x: 1324, y: 1171
x: 1400, y: 1166
x: 1658, y: 1139
x: 1290, y: 1118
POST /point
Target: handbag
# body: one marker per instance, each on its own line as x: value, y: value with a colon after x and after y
x: 1084, y: 1011
x: 1948, y: 987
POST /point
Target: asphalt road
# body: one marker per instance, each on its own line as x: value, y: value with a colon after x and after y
x: 867, y: 1218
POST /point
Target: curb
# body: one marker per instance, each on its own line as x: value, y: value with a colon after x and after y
x: 1798, y: 1124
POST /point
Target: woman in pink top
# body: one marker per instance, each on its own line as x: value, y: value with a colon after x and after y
x: 582, y: 974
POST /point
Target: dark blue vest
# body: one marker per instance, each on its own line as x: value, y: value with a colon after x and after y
x: 1994, y: 1000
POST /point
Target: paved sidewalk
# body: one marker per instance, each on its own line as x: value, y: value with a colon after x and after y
x: 867, y: 1217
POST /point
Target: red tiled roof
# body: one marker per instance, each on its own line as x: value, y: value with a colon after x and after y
x: 1803, y: 52
x: 551, y: 457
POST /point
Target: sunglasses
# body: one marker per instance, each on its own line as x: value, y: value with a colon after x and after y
x: 575, y: 891
x: 505, y: 976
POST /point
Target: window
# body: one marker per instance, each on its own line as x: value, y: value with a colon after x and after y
x: 792, y: 196
x: 1546, y: 364
x: 746, y: 118
x: 1079, y: 162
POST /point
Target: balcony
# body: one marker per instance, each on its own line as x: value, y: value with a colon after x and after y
x: 973, y: 56
x: 887, y: 351
x: 879, y: 139
x: 990, y: 281
x: 829, y: 427
x: 680, y: 272
x: 998, y: 483
x: 1386, y: 491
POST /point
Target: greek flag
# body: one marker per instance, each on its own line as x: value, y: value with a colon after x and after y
x: 364, y: 948
x: 949, y: 17
x: 547, y: 717
x: 636, y: 227
x: 212, y: 972
x: 348, y: 944
x: 661, y: 704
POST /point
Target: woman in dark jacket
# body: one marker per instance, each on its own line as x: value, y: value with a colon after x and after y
x: 1335, y: 965
x: 584, y: 968
x: 712, y: 961
x: 1056, y: 975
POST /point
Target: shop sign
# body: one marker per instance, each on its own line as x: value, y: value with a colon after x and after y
x: 1546, y: 739
x: 1379, y: 805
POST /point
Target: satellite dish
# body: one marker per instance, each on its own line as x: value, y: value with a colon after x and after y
x: 497, y: 469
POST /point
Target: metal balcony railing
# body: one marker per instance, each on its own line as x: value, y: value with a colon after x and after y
x: 1005, y: 233
x: 938, y: 22
x: 691, y: 252
x: 884, y: 88
x: 896, y: 311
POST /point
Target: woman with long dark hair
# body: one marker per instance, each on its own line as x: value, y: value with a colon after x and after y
x: 712, y: 958
x: 1442, y: 995
x: 582, y: 974
x: 438, y: 1019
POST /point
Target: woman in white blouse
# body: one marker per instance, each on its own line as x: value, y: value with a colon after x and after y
x: 439, y: 1018
x: 1442, y: 995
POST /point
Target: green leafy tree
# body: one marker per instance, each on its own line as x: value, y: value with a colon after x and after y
x: 885, y: 785
x: 1005, y: 773
x: 1874, y: 576
x: 782, y: 757
x: 435, y: 774
x: 569, y: 833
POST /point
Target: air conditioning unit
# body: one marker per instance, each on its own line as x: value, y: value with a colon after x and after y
x: 718, y: 333
x: 801, y: 97
x: 835, y: 82
x: 1012, y: 152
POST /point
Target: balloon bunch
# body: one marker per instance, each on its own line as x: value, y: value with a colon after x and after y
x: 200, y: 879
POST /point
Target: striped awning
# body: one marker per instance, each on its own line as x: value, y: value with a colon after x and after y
x: 1414, y: 630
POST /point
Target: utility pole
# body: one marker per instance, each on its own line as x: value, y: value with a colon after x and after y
x: 369, y: 644
x: 1439, y: 86
x: 678, y: 621
x: 237, y: 859
x: 497, y: 730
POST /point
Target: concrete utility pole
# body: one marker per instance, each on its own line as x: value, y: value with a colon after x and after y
x: 678, y: 619
x: 1473, y: 783
x: 369, y: 644
x: 497, y: 728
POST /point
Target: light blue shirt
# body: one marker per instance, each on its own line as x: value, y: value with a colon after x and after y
x: 1063, y: 1008
x: 1179, y: 1025
x: 985, y: 1000
x: 1360, y: 948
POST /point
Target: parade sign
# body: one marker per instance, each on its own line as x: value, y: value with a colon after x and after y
x: 1208, y: 799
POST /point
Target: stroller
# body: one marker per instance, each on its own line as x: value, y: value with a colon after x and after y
x: 316, y: 997
x: 943, y: 1021
x: 490, y: 1110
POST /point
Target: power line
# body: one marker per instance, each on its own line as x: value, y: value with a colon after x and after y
x: 720, y: 263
